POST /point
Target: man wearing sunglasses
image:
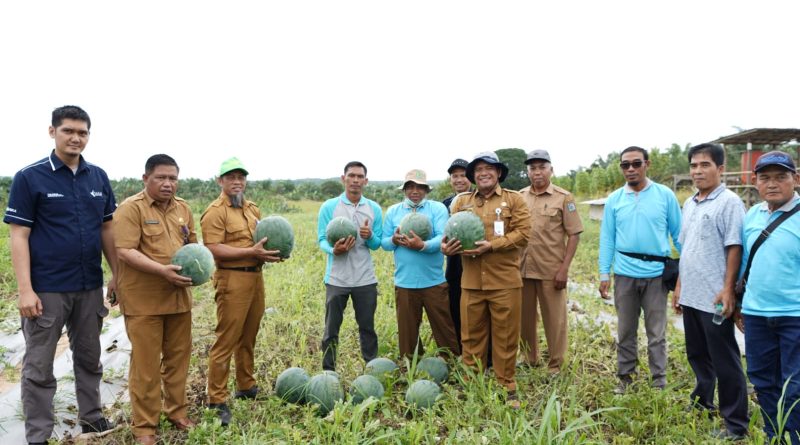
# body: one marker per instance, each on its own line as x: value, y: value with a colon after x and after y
x: 639, y: 218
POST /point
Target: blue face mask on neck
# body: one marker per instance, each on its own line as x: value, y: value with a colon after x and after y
x: 411, y: 203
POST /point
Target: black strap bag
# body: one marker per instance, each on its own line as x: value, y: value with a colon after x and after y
x: 669, y: 278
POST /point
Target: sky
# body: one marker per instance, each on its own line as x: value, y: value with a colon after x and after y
x: 296, y: 89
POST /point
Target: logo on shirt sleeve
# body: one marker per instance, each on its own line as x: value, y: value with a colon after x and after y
x: 96, y: 194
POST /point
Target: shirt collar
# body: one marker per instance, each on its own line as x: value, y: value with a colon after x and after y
x: 647, y: 185
x: 56, y: 162
x: 497, y: 191
x: 152, y: 202
x: 789, y: 205
x: 714, y: 193
x: 549, y: 190
x: 344, y: 199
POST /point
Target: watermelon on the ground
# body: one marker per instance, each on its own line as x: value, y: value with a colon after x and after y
x: 291, y: 385
x: 433, y: 367
x: 279, y: 233
x: 331, y: 373
x: 466, y: 227
x: 364, y: 387
x: 339, y: 228
x: 422, y: 393
x: 324, y: 390
x: 419, y: 223
x: 381, y: 368
x: 196, y: 262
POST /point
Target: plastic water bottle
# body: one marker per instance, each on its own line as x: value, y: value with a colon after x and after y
x: 718, y: 317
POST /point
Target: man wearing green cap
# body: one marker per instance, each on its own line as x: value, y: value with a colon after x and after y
x: 228, y: 225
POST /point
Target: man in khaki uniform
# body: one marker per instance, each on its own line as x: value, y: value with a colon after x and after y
x: 228, y: 225
x: 556, y: 229
x: 491, y: 283
x: 149, y: 228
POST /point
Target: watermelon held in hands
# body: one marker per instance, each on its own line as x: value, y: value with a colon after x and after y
x: 339, y: 228
x: 364, y: 387
x: 381, y: 368
x: 196, y: 262
x: 433, y: 367
x: 279, y: 234
x: 324, y: 390
x: 419, y: 223
x: 291, y: 385
x: 422, y: 394
x: 466, y: 227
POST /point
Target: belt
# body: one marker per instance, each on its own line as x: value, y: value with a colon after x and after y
x: 242, y: 269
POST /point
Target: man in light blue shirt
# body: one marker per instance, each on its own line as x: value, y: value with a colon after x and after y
x: 771, y: 304
x: 418, y: 275
x: 349, y: 272
x: 639, y: 218
x: 711, y: 250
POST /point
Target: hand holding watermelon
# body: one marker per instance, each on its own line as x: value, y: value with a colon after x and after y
x: 451, y: 246
x: 344, y: 245
x: 266, y: 256
x: 170, y: 272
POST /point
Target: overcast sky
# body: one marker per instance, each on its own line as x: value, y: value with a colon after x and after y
x: 296, y: 89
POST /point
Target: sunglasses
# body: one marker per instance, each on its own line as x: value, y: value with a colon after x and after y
x: 635, y: 164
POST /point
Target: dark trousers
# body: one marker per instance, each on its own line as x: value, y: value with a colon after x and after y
x: 82, y: 313
x: 714, y: 357
x: 453, y: 276
x: 410, y: 304
x: 365, y: 301
x: 772, y: 347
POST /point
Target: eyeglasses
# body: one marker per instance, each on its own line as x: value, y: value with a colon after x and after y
x: 635, y: 164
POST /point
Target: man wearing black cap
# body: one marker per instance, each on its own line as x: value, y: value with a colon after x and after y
x: 771, y: 304
x: 491, y: 284
x: 460, y: 184
x: 556, y: 230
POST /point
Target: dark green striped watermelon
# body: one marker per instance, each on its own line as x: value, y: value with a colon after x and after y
x: 279, y: 234
x: 291, y: 385
x: 339, y: 228
x: 434, y: 368
x: 364, y: 387
x: 422, y: 394
x: 419, y: 223
x: 381, y: 368
x: 324, y: 390
x: 466, y: 227
x: 196, y: 262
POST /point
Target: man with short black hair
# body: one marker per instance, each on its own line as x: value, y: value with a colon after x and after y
x: 639, y: 219
x: 62, y: 201
x: 711, y: 250
x: 771, y: 305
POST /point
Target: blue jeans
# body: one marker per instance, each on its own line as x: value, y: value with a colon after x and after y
x: 772, y: 347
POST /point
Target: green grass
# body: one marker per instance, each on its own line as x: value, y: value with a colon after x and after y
x: 576, y: 407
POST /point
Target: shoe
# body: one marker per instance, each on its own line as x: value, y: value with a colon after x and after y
x: 512, y: 401
x: 145, y: 440
x: 251, y: 393
x: 622, y: 387
x: 99, y: 428
x: 223, y: 412
x: 183, y: 424
x: 724, y: 434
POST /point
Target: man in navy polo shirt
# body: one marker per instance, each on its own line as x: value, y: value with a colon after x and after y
x: 59, y: 212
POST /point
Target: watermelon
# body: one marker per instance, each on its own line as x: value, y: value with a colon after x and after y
x: 291, y: 385
x: 422, y: 394
x: 196, y: 262
x: 433, y: 367
x: 331, y: 373
x: 465, y: 227
x: 381, y: 368
x: 324, y: 390
x: 340, y: 227
x: 364, y: 387
x: 419, y: 223
x: 278, y: 232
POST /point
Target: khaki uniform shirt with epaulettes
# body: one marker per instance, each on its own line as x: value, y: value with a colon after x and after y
x: 140, y: 224
x: 498, y: 268
x: 554, y: 216
x: 221, y: 223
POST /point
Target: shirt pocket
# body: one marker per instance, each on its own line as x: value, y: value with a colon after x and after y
x: 547, y: 219
x: 153, y: 232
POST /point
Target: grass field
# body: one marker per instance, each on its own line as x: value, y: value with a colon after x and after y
x: 575, y: 407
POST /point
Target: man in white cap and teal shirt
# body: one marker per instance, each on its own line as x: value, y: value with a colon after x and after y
x: 491, y: 284
x: 771, y: 305
x: 418, y: 276
x: 350, y: 272
x: 228, y: 224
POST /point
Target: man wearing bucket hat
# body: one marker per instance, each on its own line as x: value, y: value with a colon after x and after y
x: 491, y: 283
x: 556, y: 229
x: 228, y: 224
x: 771, y: 305
x: 418, y: 276
x: 457, y: 175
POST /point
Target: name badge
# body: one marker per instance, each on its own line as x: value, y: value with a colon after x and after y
x: 151, y: 221
x: 499, y: 229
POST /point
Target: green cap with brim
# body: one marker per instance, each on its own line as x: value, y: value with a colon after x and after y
x: 230, y: 165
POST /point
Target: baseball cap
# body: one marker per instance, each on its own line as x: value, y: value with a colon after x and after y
x: 230, y: 165
x: 488, y: 157
x: 534, y: 155
x: 778, y: 158
x: 458, y: 163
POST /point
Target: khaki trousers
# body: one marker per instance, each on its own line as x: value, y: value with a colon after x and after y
x: 160, y: 349
x: 240, y: 307
x: 436, y: 302
x: 497, y: 311
x: 553, y: 303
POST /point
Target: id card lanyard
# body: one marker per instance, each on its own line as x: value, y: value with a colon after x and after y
x: 499, y: 229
